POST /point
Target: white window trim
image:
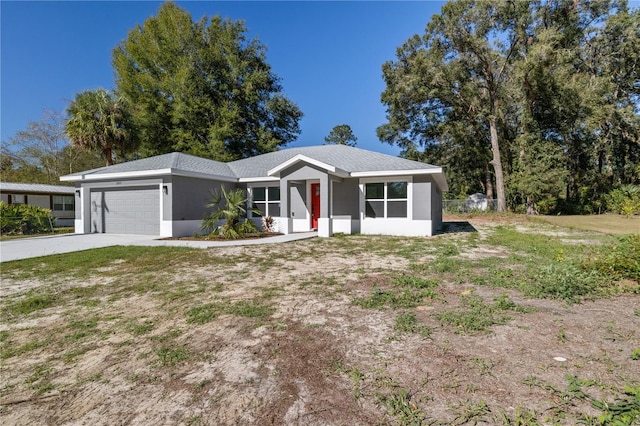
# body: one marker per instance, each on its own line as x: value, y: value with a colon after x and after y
x: 386, y: 180
x: 251, y: 202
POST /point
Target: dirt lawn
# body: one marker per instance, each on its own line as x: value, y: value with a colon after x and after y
x: 343, y: 331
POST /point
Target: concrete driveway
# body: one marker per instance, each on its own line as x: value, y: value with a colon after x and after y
x: 25, y: 248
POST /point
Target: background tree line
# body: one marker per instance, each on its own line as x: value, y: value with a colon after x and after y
x: 532, y: 102
x: 199, y: 87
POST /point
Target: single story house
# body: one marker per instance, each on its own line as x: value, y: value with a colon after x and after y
x: 59, y: 199
x: 328, y: 188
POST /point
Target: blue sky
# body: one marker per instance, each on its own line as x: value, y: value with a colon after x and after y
x: 328, y: 54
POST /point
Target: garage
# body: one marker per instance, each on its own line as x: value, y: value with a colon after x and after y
x: 132, y: 210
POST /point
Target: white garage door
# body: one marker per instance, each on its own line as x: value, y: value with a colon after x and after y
x: 126, y: 211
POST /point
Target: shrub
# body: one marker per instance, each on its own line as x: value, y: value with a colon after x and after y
x: 624, y: 200
x: 230, y: 208
x: 619, y: 260
x: 564, y: 281
x: 18, y: 219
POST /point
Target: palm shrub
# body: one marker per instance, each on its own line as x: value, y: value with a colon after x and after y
x: 24, y: 219
x: 230, y: 209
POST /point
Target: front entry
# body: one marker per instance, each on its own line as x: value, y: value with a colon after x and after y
x: 315, y: 205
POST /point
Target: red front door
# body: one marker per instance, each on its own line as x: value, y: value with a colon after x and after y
x: 315, y: 205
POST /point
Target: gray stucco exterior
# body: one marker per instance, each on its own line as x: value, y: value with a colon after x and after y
x: 182, y: 185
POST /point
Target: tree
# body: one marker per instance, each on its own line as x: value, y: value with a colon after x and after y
x: 548, y: 89
x: 456, y: 71
x: 230, y: 208
x: 101, y: 121
x: 341, y: 135
x: 41, y: 153
x: 202, y: 88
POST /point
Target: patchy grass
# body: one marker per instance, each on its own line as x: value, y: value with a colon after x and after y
x: 477, y: 316
x: 513, y: 322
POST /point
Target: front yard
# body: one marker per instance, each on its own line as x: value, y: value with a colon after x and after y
x: 496, y: 321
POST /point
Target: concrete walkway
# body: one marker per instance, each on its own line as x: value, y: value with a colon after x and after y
x: 26, y: 248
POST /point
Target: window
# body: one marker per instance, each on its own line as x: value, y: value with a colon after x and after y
x: 386, y: 199
x: 62, y: 202
x: 267, y: 200
x: 18, y: 199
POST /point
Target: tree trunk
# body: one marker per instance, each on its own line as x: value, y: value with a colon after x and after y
x: 497, y: 166
x: 108, y: 156
x: 488, y: 183
x: 531, y: 208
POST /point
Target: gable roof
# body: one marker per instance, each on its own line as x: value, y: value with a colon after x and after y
x: 35, y: 188
x: 340, y: 160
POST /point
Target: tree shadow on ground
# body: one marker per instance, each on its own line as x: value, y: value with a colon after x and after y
x: 452, y: 227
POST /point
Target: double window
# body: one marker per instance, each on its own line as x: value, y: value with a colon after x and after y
x: 386, y: 199
x: 267, y: 200
x: 63, y: 203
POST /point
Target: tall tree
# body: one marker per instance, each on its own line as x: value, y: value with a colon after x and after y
x: 458, y: 69
x: 202, y: 88
x: 101, y: 121
x: 41, y: 153
x: 341, y: 135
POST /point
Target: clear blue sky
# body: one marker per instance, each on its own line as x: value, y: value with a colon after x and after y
x: 328, y: 54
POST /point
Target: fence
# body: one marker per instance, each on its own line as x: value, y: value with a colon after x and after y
x: 469, y: 205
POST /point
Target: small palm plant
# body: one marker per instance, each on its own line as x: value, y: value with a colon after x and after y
x: 230, y: 208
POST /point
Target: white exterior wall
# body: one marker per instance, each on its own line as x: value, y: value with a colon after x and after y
x: 397, y: 226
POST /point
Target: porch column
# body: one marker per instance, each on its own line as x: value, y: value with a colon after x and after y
x: 285, y: 222
x: 325, y: 227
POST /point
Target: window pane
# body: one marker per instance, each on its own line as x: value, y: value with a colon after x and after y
x: 58, y: 207
x: 374, y: 209
x: 67, y: 202
x: 260, y: 206
x: 274, y: 193
x: 258, y: 194
x: 17, y: 199
x: 396, y: 209
x: 374, y: 191
x: 396, y: 190
x: 274, y: 209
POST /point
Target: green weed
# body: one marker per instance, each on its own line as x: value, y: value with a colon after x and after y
x: 137, y: 329
x: 475, y: 316
x: 564, y: 281
x: 396, y: 299
x: 561, y: 336
x: 620, y: 259
x: 414, y: 290
x: 471, y: 412
x: 408, y: 323
x: 169, y: 356
x: 403, y: 408
x: 249, y: 309
x: 622, y: 411
x: 32, y: 303
x: 82, y: 329
x: 202, y: 314
x: 10, y: 350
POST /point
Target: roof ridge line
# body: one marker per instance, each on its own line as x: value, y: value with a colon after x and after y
x: 174, y: 160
